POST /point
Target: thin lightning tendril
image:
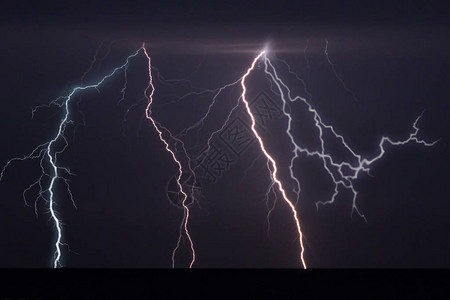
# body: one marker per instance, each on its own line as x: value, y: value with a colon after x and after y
x: 148, y: 112
x: 327, y: 57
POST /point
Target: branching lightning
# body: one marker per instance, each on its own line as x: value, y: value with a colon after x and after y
x: 48, y: 154
x: 272, y: 161
x: 330, y: 164
x: 148, y: 113
x: 343, y: 173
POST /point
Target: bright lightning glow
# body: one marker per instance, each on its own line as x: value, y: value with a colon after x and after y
x: 272, y: 161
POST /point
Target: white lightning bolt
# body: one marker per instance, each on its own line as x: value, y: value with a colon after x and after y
x: 48, y: 152
x: 180, y: 169
x: 269, y: 157
x: 334, y: 168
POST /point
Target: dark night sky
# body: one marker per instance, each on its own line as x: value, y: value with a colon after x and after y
x: 393, y: 56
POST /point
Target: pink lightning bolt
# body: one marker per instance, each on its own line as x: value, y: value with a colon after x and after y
x: 148, y: 113
x: 274, y: 165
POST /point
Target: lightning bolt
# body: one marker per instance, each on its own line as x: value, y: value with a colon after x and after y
x: 197, y: 125
x: 148, y: 113
x: 48, y: 154
x: 343, y: 173
x: 334, y: 168
x: 270, y: 158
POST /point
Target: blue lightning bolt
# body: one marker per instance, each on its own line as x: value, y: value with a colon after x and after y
x: 47, y: 152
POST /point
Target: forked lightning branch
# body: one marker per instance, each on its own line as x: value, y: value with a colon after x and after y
x: 342, y: 173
